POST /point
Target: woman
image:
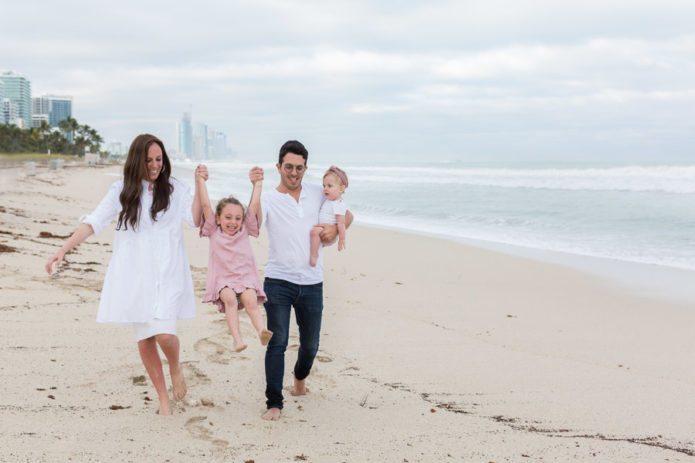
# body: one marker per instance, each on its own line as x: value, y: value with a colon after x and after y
x: 148, y: 282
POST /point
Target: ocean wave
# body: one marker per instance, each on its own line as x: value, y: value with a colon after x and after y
x: 602, y: 248
x: 669, y: 179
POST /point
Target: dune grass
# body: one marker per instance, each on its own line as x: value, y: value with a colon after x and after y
x: 36, y: 157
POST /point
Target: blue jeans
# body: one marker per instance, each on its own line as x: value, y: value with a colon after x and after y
x: 308, y: 308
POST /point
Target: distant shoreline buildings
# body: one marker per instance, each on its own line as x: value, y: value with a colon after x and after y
x: 18, y: 107
x: 199, y: 142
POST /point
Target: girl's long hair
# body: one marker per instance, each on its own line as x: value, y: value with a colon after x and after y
x: 134, y: 171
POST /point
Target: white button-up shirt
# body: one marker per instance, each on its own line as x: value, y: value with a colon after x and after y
x: 148, y: 276
x: 289, y: 223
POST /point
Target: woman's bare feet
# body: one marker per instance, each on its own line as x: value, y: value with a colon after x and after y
x: 164, y: 406
x: 178, y: 383
x: 299, y: 387
x: 272, y: 414
x: 265, y: 337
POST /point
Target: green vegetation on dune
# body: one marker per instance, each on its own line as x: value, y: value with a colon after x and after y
x: 45, y: 138
x: 36, y: 157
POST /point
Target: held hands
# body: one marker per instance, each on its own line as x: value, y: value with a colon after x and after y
x: 201, y: 172
x: 256, y: 175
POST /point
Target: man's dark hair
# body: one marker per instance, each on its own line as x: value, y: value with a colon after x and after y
x: 294, y: 147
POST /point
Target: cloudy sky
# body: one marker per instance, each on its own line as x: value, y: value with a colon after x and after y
x: 466, y: 80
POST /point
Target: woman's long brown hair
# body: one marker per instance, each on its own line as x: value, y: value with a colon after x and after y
x: 134, y: 171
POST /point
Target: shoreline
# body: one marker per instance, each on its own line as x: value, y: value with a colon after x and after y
x: 430, y: 351
x: 649, y: 280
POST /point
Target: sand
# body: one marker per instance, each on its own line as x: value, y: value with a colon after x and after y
x: 430, y: 351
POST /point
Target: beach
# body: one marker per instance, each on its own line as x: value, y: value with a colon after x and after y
x: 431, y: 350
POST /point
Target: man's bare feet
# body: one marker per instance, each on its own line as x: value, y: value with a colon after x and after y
x: 272, y: 414
x: 265, y: 337
x: 178, y: 383
x: 299, y: 387
x: 239, y: 347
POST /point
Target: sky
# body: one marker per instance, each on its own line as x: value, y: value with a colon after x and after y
x: 478, y: 81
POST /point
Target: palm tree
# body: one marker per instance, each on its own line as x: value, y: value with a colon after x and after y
x: 95, y: 140
x: 69, y: 126
x: 44, y: 129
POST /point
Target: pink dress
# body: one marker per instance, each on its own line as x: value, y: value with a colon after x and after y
x: 230, y: 261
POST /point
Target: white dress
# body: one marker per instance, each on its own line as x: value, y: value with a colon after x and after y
x: 148, y: 277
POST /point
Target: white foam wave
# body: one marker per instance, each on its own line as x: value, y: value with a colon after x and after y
x: 670, y: 179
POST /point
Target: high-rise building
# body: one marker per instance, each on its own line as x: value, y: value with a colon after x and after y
x: 9, y: 112
x: 60, y: 108
x: 184, y: 135
x: 200, y: 141
x: 18, y: 90
x: 56, y: 107
x: 39, y: 105
x: 220, y: 145
x: 36, y: 120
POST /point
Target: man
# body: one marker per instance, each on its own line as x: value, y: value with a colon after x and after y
x: 290, y: 211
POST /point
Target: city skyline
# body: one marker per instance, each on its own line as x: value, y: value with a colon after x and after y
x: 473, y: 81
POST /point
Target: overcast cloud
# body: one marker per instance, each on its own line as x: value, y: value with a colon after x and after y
x: 471, y: 80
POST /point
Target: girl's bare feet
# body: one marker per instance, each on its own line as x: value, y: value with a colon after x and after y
x: 265, y: 337
x: 272, y: 414
x: 238, y: 347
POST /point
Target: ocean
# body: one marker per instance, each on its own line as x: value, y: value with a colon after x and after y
x: 629, y: 213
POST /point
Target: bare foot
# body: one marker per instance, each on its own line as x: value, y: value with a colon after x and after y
x: 178, y: 383
x: 299, y: 387
x: 164, y: 407
x: 273, y: 414
x: 265, y: 337
x: 313, y: 260
x: 239, y: 347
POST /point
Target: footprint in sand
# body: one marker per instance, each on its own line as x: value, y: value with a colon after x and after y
x: 199, y: 428
x: 216, y: 352
x: 193, y: 374
x: 323, y: 358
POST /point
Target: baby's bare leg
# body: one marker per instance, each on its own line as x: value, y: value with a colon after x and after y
x: 315, y: 241
x: 231, y: 313
x: 250, y: 300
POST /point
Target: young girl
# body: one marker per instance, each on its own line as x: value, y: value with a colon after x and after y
x: 332, y: 211
x: 233, y: 282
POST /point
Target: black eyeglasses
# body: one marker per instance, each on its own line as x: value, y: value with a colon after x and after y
x: 289, y: 168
